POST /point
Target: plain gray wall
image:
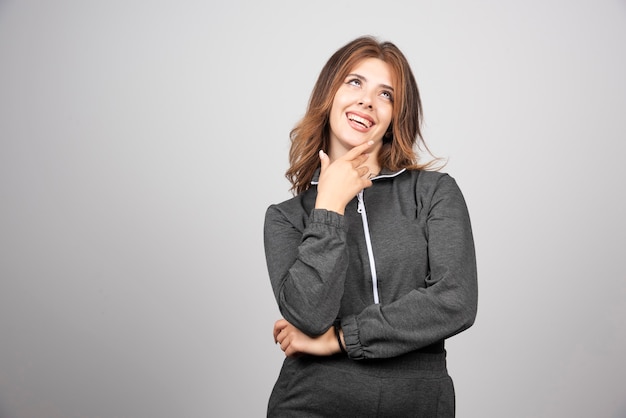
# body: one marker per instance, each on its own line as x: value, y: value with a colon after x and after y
x: 141, y: 142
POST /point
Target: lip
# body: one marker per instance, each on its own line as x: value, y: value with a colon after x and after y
x: 362, y: 116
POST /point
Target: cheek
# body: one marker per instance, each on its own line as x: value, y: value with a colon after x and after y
x: 337, y: 106
x: 341, y: 100
x: 386, y: 117
x: 334, y: 119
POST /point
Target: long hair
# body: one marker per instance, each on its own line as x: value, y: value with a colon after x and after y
x: 400, y: 143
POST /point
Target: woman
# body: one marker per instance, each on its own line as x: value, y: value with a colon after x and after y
x: 372, y: 261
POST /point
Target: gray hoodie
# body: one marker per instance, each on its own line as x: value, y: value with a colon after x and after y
x: 398, y: 268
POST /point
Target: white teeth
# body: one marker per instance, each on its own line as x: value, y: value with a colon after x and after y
x: 360, y: 120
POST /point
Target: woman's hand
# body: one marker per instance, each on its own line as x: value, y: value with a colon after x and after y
x: 342, y: 179
x: 293, y: 341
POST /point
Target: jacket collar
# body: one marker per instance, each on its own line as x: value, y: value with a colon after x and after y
x: 384, y: 173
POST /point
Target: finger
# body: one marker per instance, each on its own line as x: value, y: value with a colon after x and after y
x: 282, y: 335
x: 281, y: 323
x: 275, y: 332
x: 280, y: 338
x: 363, y: 171
x: 278, y: 327
x: 358, y: 150
x: 324, y: 160
x: 289, y: 349
x: 285, y: 343
x: 360, y: 160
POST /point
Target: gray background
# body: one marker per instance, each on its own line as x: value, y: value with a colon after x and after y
x: 141, y: 141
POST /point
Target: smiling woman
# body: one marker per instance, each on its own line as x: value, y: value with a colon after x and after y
x: 395, y: 81
x: 362, y: 109
x: 372, y: 261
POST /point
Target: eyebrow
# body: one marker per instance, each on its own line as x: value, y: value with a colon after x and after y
x: 365, y: 79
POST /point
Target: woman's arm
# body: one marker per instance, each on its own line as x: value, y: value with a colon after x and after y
x: 307, y: 267
x: 445, y: 307
x: 307, y: 261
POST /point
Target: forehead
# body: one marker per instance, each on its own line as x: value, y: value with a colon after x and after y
x: 374, y: 70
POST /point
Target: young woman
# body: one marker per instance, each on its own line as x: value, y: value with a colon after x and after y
x: 372, y: 261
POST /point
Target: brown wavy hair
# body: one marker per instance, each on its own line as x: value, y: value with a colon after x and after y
x: 400, y: 143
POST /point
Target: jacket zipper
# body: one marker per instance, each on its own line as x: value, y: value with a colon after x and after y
x: 368, y: 242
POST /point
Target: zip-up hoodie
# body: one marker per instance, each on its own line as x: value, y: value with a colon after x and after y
x: 398, y: 268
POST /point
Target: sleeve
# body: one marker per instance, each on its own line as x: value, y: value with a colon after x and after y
x: 307, y: 268
x: 448, y: 304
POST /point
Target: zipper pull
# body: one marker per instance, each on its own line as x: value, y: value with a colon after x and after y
x: 360, y: 207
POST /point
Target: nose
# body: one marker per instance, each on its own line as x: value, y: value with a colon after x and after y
x: 365, y: 100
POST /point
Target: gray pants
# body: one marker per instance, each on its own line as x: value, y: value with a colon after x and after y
x: 413, y: 385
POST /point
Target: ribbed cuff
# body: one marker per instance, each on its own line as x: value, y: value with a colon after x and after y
x: 351, y: 337
x: 327, y: 217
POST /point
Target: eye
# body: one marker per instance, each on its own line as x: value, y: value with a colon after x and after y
x: 387, y: 95
x: 354, y: 82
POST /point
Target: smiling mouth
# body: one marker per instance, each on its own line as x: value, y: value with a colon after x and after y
x: 361, y: 121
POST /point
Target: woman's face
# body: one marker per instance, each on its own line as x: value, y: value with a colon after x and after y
x: 362, y: 107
